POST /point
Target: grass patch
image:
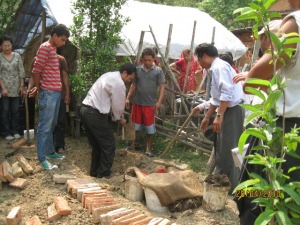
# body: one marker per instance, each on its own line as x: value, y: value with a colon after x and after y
x: 178, y: 152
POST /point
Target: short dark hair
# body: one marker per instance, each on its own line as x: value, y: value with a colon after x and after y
x: 226, y: 58
x: 207, y: 49
x: 148, y: 51
x: 6, y: 38
x: 60, y: 30
x: 230, y: 54
x: 128, y: 67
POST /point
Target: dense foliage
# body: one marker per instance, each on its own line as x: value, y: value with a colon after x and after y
x: 96, y: 29
x: 7, y: 9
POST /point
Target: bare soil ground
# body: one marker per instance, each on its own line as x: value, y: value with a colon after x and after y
x: 38, y: 195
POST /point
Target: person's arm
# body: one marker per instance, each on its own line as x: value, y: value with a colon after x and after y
x: 66, y: 82
x: 39, y: 64
x: 173, y: 67
x: 161, y: 95
x: 263, y: 69
x: 205, y: 121
x: 3, y: 88
x: 130, y: 94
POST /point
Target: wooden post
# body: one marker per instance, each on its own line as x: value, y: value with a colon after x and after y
x: 168, y: 41
x: 138, y: 54
x: 43, y: 34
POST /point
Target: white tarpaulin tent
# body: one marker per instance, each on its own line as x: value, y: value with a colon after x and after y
x: 143, y: 14
x: 161, y: 16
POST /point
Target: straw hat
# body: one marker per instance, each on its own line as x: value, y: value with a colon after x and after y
x: 274, y: 26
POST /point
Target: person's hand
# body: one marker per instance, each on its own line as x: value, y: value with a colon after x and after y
x: 240, y: 77
x: 67, y: 99
x: 32, y: 92
x: 127, y: 103
x: 157, y: 105
x: 5, y: 92
x: 196, y: 110
x: 122, y: 122
x: 217, y: 124
x: 204, y: 124
x: 21, y: 90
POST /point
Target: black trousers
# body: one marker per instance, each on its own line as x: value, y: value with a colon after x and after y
x: 101, y: 139
x: 59, y: 131
x: 250, y: 211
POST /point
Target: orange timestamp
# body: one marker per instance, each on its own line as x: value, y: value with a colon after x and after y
x: 256, y: 193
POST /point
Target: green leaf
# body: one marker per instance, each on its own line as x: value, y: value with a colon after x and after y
x: 256, y: 133
x: 264, y: 218
x: 293, y: 169
x: 256, y: 81
x: 242, y: 141
x: 282, y: 218
x: 256, y: 92
x: 247, y: 16
x: 292, y: 193
x: 291, y: 41
x: 250, y: 107
x: 272, y: 99
x: 252, y: 116
x: 245, y: 184
x: 294, y: 207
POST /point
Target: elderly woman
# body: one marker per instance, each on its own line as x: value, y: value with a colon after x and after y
x: 12, y: 85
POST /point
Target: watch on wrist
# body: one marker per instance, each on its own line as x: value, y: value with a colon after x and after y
x: 219, y: 116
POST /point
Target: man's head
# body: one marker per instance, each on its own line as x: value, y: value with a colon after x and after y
x: 148, y: 57
x: 59, y: 35
x: 265, y: 41
x: 206, y: 53
x: 127, y: 71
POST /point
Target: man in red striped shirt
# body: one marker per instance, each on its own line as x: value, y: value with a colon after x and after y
x: 46, y: 76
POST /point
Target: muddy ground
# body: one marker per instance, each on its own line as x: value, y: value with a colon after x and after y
x: 38, y: 195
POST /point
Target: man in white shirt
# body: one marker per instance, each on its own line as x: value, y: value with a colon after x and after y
x: 225, y: 99
x: 106, y: 95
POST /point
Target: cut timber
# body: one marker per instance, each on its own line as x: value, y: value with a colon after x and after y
x: 62, y: 207
x: 106, y: 219
x: 17, y: 170
x: 62, y: 178
x: 80, y: 191
x: 142, y: 222
x: 24, y: 164
x: 18, y: 143
x: 100, y: 193
x: 52, y: 213
x: 155, y: 221
x: 165, y: 222
x: 74, y: 188
x: 103, y: 210
x: 14, y: 216
x: 19, y: 183
x: 7, y: 171
x: 125, y: 217
x: 133, y: 219
x: 35, y: 220
x: 97, y: 203
x: 170, y: 164
x: 2, y: 177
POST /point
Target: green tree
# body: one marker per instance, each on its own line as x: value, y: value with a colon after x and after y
x: 96, y: 29
x: 186, y: 3
x: 222, y: 11
x: 7, y: 9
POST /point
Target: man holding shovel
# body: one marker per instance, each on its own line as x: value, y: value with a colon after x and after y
x: 225, y: 98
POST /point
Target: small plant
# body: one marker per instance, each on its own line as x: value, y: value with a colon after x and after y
x: 281, y: 205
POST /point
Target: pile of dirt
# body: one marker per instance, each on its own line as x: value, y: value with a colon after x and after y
x: 218, y: 180
x: 39, y: 193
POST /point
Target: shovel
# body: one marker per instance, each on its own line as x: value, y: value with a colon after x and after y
x: 28, y: 143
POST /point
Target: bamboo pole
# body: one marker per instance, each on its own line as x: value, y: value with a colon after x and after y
x: 168, y: 41
x: 138, y: 54
x: 177, y: 134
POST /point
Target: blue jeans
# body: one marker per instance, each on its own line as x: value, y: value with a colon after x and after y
x: 10, y: 105
x: 49, y: 102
